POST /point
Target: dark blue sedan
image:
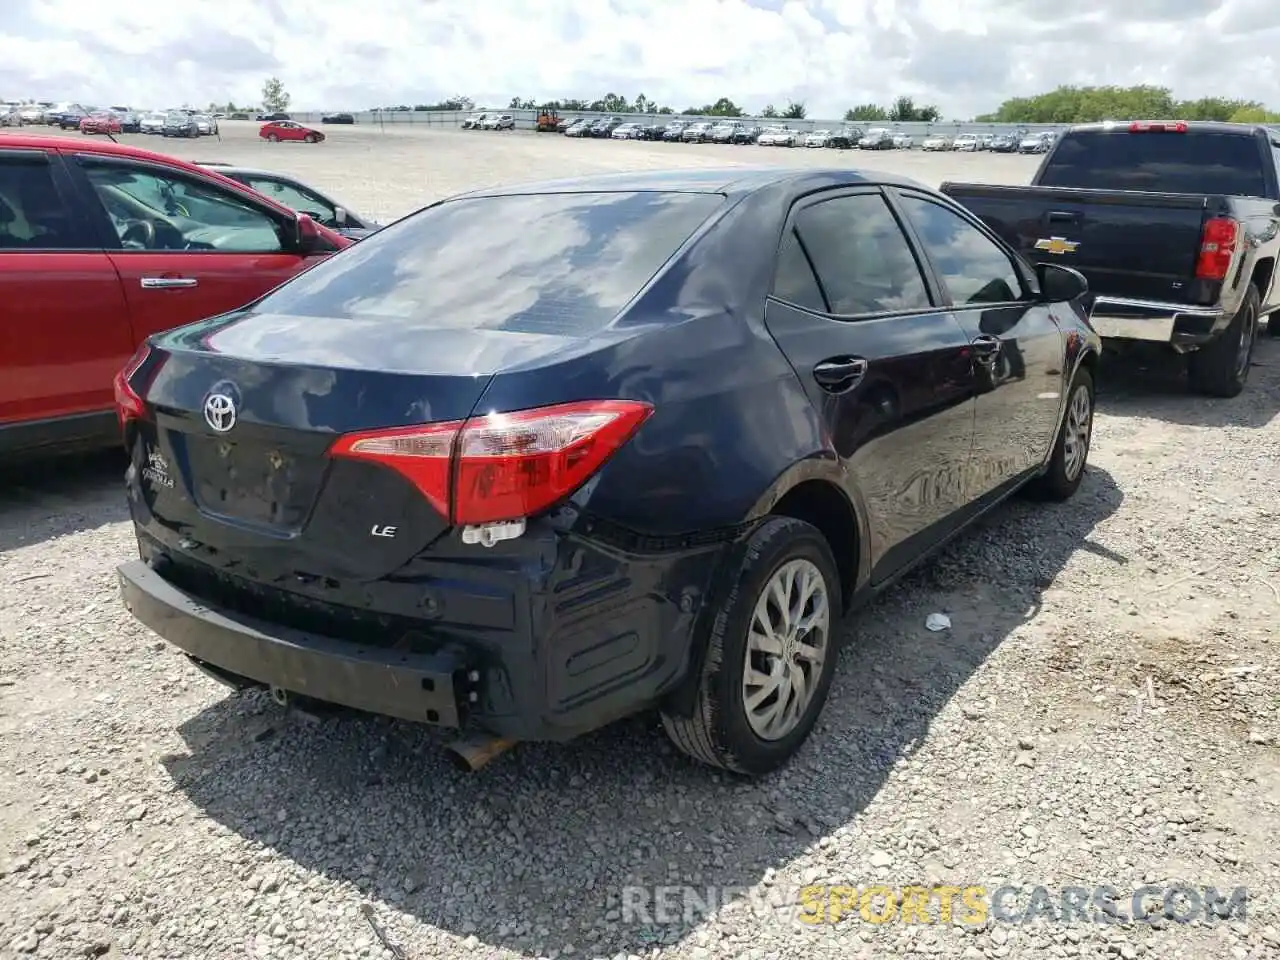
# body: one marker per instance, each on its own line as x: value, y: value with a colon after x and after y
x: 534, y: 459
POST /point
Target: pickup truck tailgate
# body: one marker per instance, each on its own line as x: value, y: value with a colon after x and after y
x: 1128, y: 243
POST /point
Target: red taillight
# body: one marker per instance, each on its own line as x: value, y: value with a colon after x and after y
x: 1143, y: 126
x: 504, y: 466
x: 130, y: 406
x: 1217, y: 248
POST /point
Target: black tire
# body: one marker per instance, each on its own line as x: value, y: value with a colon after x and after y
x: 1221, y: 369
x: 1062, y: 478
x: 718, y: 732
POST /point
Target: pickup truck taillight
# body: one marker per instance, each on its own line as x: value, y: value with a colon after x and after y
x: 1218, y: 241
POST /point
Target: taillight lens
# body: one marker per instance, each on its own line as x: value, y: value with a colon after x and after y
x: 1217, y: 248
x: 503, y: 466
x: 129, y: 405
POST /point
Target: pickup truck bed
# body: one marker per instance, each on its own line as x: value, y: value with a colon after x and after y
x: 1175, y: 225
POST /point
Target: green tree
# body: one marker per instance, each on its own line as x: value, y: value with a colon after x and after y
x: 865, y: 112
x: 795, y: 110
x: 274, y: 96
x: 518, y: 104
x: 1254, y: 113
x: 770, y: 112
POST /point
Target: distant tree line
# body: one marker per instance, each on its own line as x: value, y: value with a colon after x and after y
x: 904, y: 110
x: 1143, y: 102
x: 613, y: 103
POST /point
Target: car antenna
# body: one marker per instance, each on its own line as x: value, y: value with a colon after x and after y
x: 112, y: 139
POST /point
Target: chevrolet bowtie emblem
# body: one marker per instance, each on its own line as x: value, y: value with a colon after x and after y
x: 1057, y: 245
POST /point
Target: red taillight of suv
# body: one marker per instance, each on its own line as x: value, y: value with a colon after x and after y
x: 1218, y: 242
x: 503, y: 466
x: 129, y: 405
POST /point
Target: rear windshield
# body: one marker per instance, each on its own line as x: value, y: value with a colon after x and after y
x: 562, y: 264
x: 1192, y: 162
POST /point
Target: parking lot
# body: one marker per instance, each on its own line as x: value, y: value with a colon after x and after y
x: 1103, y: 710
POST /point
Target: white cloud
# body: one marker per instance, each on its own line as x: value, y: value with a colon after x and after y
x: 964, y: 55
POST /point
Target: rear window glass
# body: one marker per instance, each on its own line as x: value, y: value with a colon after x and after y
x: 1192, y: 162
x: 561, y: 264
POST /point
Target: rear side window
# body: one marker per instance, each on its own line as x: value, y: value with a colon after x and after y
x: 33, y: 215
x: 861, y: 257
x: 1192, y: 162
x: 562, y: 264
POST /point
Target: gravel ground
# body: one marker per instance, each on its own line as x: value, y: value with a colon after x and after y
x: 1102, y: 711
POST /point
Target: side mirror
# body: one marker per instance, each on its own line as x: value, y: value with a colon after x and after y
x: 340, y: 215
x: 1059, y: 284
x: 309, y: 238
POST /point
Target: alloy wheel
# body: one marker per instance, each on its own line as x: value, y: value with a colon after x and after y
x: 787, y: 646
x: 1077, y: 432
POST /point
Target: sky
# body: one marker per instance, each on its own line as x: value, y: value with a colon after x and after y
x: 965, y: 56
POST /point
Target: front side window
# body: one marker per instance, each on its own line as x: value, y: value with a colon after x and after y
x: 974, y: 268
x: 862, y: 259
x: 563, y: 264
x: 152, y: 210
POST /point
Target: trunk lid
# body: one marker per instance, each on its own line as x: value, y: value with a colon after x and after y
x: 263, y: 489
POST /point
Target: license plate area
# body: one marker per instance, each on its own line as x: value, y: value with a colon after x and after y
x: 254, y: 481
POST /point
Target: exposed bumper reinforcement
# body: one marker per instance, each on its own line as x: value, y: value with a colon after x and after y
x: 411, y: 686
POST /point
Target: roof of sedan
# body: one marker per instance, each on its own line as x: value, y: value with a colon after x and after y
x: 729, y: 180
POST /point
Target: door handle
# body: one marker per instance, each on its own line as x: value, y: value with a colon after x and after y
x: 1063, y: 216
x: 986, y: 347
x: 840, y: 373
x: 168, y: 283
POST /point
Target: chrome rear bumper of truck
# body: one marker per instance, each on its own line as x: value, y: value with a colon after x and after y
x: 1122, y: 318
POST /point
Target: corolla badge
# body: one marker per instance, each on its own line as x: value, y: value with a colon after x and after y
x: 220, y: 408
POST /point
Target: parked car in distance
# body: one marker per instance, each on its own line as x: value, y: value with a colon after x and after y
x: 747, y: 133
x: 903, y: 141
x: 346, y: 118
x: 936, y: 142
x: 206, y: 126
x: 842, y: 140
x: 818, y: 138
x: 724, y: 132
x: 179, y: 124
x: 1035, y: 143
x: 151, y: 123
x: 272, y: 117
x: 674, y: 131
x: 101, y: 123
x: 300, y: 197
x: 503, y: 121
x: 130, y: 122
x: 70, y: 119
x: 696, y: 133
x: 475, y: 121
x: 629, y: 422
x: 777, y: 137
x: 876, y: 138
x: 626, y: 131
x: 579, y: 128
x: 288, y: 131
x: 148, y: 242
x: 965, y: 143
x: 1003, y: 143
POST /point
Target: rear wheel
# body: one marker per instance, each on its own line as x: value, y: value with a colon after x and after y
x: 1222, y: 368
x: 272, y: 138
x: 1071, y: 450
x: 770, y: 653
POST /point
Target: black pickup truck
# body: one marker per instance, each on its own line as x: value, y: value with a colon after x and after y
x: 1176, y: 226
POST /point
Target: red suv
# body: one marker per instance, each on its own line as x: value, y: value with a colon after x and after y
x: 102, y: 245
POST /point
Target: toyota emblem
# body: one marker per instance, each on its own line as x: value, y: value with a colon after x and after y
x: 220, y: 412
